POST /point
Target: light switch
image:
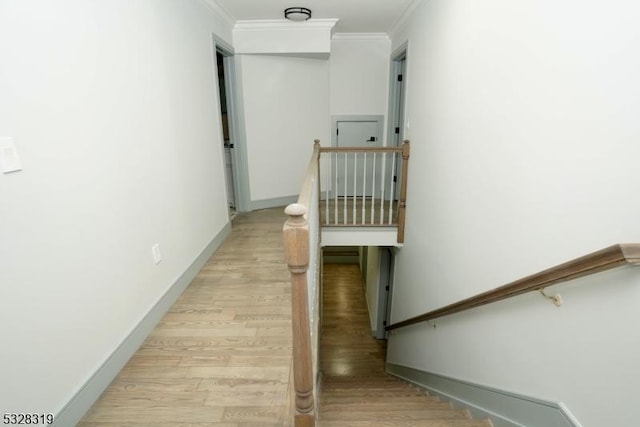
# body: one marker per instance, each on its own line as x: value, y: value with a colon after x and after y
x: 9, y: 159
x: 157, y: 255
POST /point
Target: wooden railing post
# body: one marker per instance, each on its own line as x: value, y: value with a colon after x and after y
x: 296, y: 242
x: 402, y: 203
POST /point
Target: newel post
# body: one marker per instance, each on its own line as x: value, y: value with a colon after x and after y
x: 402, y: 203
x: 296, y: 242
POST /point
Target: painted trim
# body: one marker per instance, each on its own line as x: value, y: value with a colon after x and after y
x: 504, y: 408
x: 404, y: 16
x: 361, y: 36
x: 273, y: 203
x: 360, y: 236
x: 283, y: 24
x: 235, y: 102
x: 83, y: 400
x: 221, y: 11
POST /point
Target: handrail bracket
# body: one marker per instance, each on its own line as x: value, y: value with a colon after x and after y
x: 556, y: 298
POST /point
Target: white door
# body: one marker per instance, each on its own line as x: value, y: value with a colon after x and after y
x: 355, y: 173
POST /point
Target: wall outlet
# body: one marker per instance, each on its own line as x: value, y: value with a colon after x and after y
x: 9, y: 159
x: 157, y: 255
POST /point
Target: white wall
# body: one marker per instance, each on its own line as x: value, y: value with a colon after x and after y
x: 113, y: 108
x: 359, y: 73
x: 524, y: 128
x: 286, y: 107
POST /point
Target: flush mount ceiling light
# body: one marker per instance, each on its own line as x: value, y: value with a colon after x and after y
x: 297, y: 13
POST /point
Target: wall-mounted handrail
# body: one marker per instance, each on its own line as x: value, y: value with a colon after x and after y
x: 604, y: 259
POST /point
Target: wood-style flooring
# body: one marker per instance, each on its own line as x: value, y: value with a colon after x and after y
x: 221, y: 356
x: 355, y: 390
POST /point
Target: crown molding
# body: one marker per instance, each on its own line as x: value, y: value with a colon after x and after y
x: 404, y: 16
x: 361, y: 36
x: 283, y: 24
x: 221, y: 11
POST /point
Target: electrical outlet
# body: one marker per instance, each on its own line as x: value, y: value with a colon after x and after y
x: 157, y: 255
x: 9, y: 159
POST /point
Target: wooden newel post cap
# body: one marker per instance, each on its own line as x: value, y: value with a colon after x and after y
x: 295, y: 209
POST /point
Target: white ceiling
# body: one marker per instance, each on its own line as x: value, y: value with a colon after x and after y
x: 355, y: 16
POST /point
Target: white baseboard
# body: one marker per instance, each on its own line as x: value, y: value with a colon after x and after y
x: 505, y: 409
x: 79, y: 404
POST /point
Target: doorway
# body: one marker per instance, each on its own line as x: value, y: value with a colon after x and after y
x: 232, y: 125
x: 226, y: 136
x: 397, y: 89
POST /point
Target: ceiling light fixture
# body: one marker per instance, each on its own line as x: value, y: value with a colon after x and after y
x: 297, y: 14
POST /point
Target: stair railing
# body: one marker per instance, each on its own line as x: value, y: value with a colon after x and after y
x: 301, y: 233
x: 604, y: 259
x: 363, y: 186
x: 302, y: 251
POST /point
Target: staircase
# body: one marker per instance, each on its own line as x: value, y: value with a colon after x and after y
x: 386, y: 402
x: 341, y: 255
x: 355, y: 391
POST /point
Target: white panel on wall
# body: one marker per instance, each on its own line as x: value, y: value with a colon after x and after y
x: 359, y: 67
x: 524, y: 154
x: 286, y: 101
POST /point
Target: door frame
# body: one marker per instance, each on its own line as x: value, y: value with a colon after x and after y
x: 397, y: 96
x: 397, y: 102
x: 386, y: 274
x: 235, y: 109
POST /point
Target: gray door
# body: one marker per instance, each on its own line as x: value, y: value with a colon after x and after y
x: 355, y: 176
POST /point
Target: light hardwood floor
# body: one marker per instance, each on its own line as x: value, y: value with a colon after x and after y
x: 221, y: 356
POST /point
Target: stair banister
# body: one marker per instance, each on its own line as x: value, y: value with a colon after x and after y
x: 301, y: 240
x: 604, y: 259
x: 370, y: 195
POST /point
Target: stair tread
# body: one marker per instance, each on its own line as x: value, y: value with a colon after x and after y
x: 414, y: 414
x: 367, y: 396
x: 408, y: 423
x: 385, y: 406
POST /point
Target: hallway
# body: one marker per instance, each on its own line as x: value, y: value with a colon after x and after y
x: 221, y: 356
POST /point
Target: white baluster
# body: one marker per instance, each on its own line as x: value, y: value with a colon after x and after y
x: 355, y: 182
x: 373, y: 188
x: 344, y: 208
x: 364, y: 185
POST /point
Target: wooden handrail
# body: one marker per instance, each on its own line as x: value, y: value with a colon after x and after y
x: 604, y: 259
x: 361, y: 149
x: 304, y: 198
